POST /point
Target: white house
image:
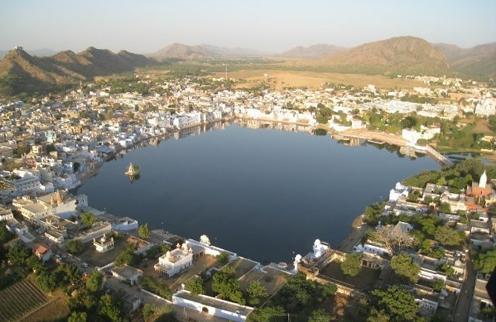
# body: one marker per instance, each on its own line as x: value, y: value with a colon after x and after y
x: 175, y: 261
x: 212, y: 306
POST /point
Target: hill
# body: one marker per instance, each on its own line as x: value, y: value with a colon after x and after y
x: 401, y: 55
x: 21, y: 72
x: 477, y: 62
x: 182, y: 52
x: 202, y: 52
x: 314, y: 51
x: 43, y: 52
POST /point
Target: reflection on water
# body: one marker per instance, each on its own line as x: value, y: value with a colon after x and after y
x: 252, y: 188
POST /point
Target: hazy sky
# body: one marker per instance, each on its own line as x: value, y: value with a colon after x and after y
x: 145, y: 26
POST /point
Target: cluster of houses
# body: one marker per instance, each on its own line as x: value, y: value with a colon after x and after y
x: 50, y: 146
x: 440, y: 279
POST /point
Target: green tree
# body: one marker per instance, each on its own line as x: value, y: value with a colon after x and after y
x: 403, y: 266
x: 352, y: 264
x: 267, y: 314
x: 5, y: 234
x: 227, y: 286
x: 223, y: 258
x: 109, y: 308
x: 94, y: 282
x: 78, y: 317
x: 486, y: 262
x: 373, y: 212
x: 47, y: 281
x: 148, y: 311
x: 88, y: 219
x: 144, y: 231
x: 409, y: 122
x: 18, y: 253
x: 126, y: 257
x: 320, y: 316
x: 396, y: 303
x: 256, y: 292
x: 155, y: 286
x: 74, y: 246
x: 195, y: 285
x: 34, y: 264
x: 448, y: 236
x: 445, y: 208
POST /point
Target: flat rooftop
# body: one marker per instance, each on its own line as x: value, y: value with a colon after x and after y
x: 365, y: 280
x: 214, y: 302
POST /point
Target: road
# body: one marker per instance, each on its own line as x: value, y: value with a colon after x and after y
x: 462, y: 309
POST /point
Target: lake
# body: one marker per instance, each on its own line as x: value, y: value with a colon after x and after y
x: 264, y: 193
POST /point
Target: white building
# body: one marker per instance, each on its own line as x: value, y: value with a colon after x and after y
x: 103, y: 244
x: 6, y: 214
x: 175, y: 261
x: 212, y: 306
x: 398, y: 191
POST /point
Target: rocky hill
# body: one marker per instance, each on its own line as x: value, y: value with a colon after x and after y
x: 21, y: 72
x: 314, y: 51
x: 391, y: 56
x: 477, y: 62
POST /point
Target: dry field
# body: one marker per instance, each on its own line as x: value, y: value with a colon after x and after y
x: 280, y: 79
x: 20, y: 299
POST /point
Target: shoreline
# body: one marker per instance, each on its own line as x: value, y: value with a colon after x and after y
x: 358, y: 228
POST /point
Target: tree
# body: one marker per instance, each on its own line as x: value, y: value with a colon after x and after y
x: 403, y: 266
x: 153, y: 285
x: 94, y: 282
x: 372, y: 213
x: 320, y: 316
x: 396, y: 303
x: 195, y: 285
x: 47, y: 281
x: 78, y: 317
x: 18, y: 254
x: 448, y: 236
x: 352, y: 264
x: 126, y: 257
x: 34, y: 264
x: 74, y: 246
x: 223, y: 258
x: 227, y: 286
x: 109, y: 308
x: 257, y: 292
x: 5, y: 234
x: 445, y: 208
x: 409, y: 122
x: 88, y: 219
x: 144, y: 231
x: 148, y: 311
x: 486, y: 262
x: 393, y: 239
x: 266, y: 314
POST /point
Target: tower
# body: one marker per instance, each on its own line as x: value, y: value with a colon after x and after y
x: 483, y: 180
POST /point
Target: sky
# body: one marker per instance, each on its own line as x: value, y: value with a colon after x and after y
x: 270, y: 26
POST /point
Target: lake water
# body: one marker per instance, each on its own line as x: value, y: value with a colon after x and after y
x: 263, y: 193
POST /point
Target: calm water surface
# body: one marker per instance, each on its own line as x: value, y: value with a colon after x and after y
x: 265, y: 194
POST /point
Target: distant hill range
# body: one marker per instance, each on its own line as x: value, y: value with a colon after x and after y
x: 475, y: 62
x: 314, y: 51
x: 22, y: 72
x: 400, y: 55
x: 202, y: 52
x: 43, y: 52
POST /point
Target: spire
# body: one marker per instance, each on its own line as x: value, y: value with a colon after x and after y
x: 483, y: 180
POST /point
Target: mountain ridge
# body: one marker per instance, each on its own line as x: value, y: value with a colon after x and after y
x: 20, y: 71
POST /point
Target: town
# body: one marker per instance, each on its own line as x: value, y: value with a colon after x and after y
x: 424, y: 253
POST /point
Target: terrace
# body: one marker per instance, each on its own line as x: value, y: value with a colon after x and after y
x: 365, y: 280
